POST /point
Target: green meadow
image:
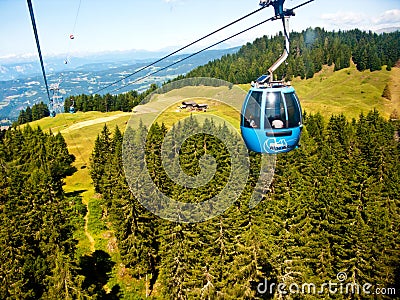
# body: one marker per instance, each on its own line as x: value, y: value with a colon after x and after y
x: 347, y: 91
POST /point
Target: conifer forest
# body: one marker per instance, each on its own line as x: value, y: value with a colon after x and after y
x: 331, y: 214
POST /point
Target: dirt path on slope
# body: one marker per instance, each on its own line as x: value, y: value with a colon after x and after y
x: 95, y: 121
x: 87, y: 233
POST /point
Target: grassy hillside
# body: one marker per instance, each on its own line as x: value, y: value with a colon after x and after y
x: 347, y: 91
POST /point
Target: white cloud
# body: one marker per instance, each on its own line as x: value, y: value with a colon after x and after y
x: 388, y: 17
x: 344, y: 18
x: 351, y: 20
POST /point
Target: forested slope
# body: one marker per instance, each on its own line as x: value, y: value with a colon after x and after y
x: 37, y: 219
x: 39, y: 250
x: 309, y: 51
x: 333, y: 207
x: 37, y: 112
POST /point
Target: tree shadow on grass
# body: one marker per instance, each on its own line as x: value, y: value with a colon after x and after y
x: 77, y: 193
x: 97, y: 268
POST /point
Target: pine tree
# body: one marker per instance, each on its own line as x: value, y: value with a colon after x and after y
x: 389, y: 65
x: 387, y: 93
x: 100, y: 155
x: 28, y: 114
x: 374, y: 63
x: 22, y: 118
x: 39, y: 221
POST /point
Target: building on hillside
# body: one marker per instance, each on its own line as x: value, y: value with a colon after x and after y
x: 193, y: 106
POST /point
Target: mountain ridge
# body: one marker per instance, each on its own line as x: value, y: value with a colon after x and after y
x: 27, y: 90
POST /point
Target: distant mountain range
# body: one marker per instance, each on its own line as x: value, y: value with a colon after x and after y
x: 21, y: 83
x: 387, y: 30
x: 16, y: 67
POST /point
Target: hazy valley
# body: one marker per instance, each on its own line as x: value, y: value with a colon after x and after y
x: 21, y: 84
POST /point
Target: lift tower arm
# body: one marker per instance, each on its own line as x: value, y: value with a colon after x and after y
x: 284, y: 15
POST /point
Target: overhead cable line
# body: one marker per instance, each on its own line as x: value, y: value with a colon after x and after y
x: 193, y: 54
x: 283, y: 19
x: 72, y: 33
x: 76, y: 17
x: 302, y: 4
x: 38, y: 47
x: 180, y: 49
x: 204, y: 49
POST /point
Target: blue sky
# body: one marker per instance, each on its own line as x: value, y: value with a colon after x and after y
x: 109, y: 25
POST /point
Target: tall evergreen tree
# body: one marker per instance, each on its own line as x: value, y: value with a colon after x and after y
x: 38, y: 220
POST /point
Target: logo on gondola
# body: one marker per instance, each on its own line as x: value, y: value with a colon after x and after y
x: 275, y: 145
